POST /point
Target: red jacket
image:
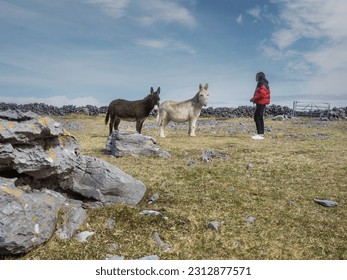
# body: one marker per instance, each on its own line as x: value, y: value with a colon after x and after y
x: 262, y: 95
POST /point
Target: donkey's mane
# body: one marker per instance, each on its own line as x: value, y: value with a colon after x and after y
x: 149, y: 96
x: 195, y: 99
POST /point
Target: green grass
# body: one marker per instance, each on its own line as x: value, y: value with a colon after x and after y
x: 298, y: 161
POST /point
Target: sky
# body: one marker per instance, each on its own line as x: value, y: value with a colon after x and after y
x: 90, y: 52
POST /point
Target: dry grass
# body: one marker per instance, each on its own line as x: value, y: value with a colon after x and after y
x: 300, y: 160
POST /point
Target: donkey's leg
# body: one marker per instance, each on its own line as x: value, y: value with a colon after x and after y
x: 163, y: 122
x: 111, y: 124
x: 116, y: 123
x: 192, y: 126
x: 139, y: 125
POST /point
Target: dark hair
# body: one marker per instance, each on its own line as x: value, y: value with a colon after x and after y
x: 260, y: 78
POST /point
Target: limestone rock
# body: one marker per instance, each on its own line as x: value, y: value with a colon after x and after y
x: 208, y: 155
x: 99, y: 180
x: 35, y: 146
x: 214, y: 225
x: 84, y: 235
x: 120, y: 143
x: 326, y: 203
x: 250, y: 220
x: 162, y: 245
x: 149, y: 258
x: 43, y: 155
x: 72, y: 217
x: 150, y: 212
x: 26, y: 219
x: 39, y: 163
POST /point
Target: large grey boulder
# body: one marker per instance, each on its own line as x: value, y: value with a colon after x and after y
x: 43, y: 155
x: 99, y: 180
x: 120, y: 143
x: 35, y: 146
x: 26, y: 219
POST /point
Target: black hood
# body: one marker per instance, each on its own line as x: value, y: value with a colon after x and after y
x: 260, y: 78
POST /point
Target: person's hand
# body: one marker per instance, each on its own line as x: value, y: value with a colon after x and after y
x: 251, y: 100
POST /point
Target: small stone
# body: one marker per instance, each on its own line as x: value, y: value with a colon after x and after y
x: 279, y: 118
x: 250, y: 219
x: 150, y: 212
x: 114, y: 246
x: 116, y: 257
x: 151, y: 257
x: 153, y: 198
x: 164, y: 246
x: 84, y: 235
x: 326, y: 203
x: 164, y: 154
x: 214, y: 225
x: 111, y: 223
x: 249, y: 166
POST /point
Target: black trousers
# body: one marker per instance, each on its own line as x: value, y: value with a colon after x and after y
x: 259, y: 118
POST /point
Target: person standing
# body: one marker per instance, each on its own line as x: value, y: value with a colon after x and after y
x: 261, y: 98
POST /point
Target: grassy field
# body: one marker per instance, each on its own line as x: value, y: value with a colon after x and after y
x: 300, y: 160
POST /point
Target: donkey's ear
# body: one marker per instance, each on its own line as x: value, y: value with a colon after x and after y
x: 152, y: 90
x: 158, y: 90
x: 206, y: 86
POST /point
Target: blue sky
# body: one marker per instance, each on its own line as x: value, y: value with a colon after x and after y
x: 93, y: 51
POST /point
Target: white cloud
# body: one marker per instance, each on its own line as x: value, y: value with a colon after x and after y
x: 275, y: 53
x: 112, y: 8
x: 239, y: 19
x: 156, y: 44
x: 312, y: 38
x: 166, y: 44
x: 58, y: 101
x: 255, y: 12
x: 311, y: 19
x: 285, y: 37
x: 147, y: 12
x: 12, y: 11
x: 329, y: 58
x: 165, y: 11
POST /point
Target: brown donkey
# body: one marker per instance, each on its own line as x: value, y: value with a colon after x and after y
x: 132, y: 111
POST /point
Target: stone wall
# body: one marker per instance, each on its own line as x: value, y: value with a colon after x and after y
x: 219, y: 112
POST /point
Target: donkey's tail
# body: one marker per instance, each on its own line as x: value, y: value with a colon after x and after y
x: 107, y: 117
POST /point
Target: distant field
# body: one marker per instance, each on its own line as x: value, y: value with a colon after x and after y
x: 300, y: 160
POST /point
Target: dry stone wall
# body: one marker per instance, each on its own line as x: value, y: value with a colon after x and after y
x: 219, y: 112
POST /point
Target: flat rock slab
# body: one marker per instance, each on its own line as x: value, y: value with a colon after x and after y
x: 120, y: 143
x: 326, y: 203
x: 99, y: 180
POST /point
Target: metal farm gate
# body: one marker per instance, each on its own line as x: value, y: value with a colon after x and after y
x: 306, y: 109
